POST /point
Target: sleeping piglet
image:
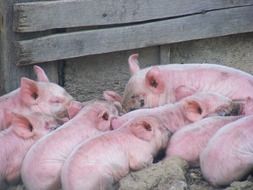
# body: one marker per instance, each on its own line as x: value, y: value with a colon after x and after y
x: 228, y: 155
x: 42, y: 164
x: 15, y: 141
x: 35, y: 96
x: 190, y: 141
x: 186, y: 111
x: 158, y: 85
x: 102, y: 161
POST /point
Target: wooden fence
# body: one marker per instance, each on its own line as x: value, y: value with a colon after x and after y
x: 51, y: 31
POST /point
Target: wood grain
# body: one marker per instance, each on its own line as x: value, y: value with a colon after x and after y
x: 82, y: 43
x: 10, y: 73
x: 45, y: 15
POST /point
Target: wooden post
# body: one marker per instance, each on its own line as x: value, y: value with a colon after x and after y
x: 10, y: 73
x: 164, y: 54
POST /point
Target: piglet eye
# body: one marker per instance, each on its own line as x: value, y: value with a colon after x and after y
x: 50, y: 126
x: 105, y: 116
x: 133, y: 96
x: 56, y: 100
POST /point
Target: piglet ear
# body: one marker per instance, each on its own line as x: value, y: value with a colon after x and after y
x: 28, y: 91
x: 154, y: 80
x: 74, y: 108
x: 22, y: 126
x: 115, y: 98
x: 133, y: 63
x: 142, y: 129
x: 183, y: 91
x: 193, y: 110
x: 112, y: 96
x: 40, y: 73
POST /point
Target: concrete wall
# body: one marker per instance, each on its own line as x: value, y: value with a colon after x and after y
x: 235, y: 51
x: 88, y: 77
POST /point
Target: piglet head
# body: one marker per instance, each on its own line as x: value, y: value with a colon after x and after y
x: 115, y: 98
x: 145, y: 88
x: 45, y: 97
x: 102, y: 114
x: 201, y: 105
x: 151, y: 130
x: 33, y: 125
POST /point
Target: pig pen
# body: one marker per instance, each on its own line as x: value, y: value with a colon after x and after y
x: 87, y: 77
x: 86, y: 51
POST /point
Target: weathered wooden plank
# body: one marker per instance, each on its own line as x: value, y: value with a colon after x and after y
x: 44, y: 15
x: 75, y: 44
x: 10, y: 73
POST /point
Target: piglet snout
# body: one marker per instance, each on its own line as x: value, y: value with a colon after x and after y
x: 114, y: 123
x: 74, y: 108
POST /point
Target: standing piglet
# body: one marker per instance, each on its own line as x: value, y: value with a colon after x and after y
x: 190, y: 141
x: 228, y: 156
x: 158, y: 85
x: 35, y: 96
x: 99, y: 163
x: 186, y: 111
x: 15, y: 141
x: 42, y: 164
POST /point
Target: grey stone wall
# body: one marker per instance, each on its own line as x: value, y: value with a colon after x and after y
x: 88, y: 77
x: 235, y: 51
